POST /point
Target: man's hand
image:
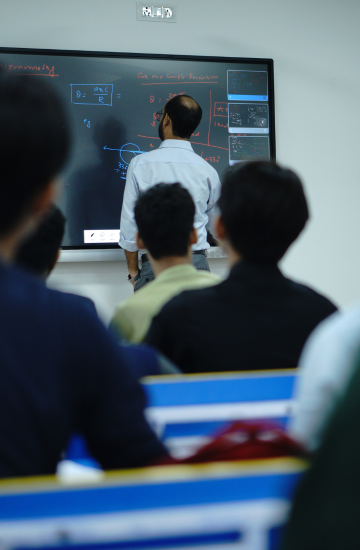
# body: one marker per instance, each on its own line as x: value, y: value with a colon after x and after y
x: 133, y: 263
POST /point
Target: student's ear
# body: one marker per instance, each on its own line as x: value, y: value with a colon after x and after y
x: 44, y: 200
x: 220, y: 229
x: 193, y: 236
x: 139, y: 241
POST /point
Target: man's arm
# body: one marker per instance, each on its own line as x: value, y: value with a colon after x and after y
x: 132, y: 262
x: 127, y: 222
x: 214, y: 194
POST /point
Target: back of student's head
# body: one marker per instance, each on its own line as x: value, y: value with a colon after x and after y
x: 263, y: 209
x: 164, y: 215
x: 185, y: 115
x: 39, y: 253
x: 34, y: 142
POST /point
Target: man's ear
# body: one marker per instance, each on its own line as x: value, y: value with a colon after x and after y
x: 220, y: 229
x: 139, y: 241
x: 193, y: 236
x: 167, y: 120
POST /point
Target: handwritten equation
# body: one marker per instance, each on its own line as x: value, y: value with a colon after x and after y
x: 210, y: 159
x: 221, y: 108
x: 127, y: 152
x: 201, y: 136
x: 92, y: 94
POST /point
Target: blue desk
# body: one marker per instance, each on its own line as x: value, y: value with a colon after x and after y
x: 185, y: 410
x: 230, y: 505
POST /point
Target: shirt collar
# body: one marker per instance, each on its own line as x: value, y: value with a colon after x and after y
x: 245, y: 269
x: 178, y: 143
x: 176, y: 271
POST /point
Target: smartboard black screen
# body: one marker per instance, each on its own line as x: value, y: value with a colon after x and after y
x: 111, y: 101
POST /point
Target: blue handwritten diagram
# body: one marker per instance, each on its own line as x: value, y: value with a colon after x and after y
x: 92, y: 94
x: 127, y: 152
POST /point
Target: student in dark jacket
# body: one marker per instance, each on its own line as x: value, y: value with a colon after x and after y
x: 257, y: 318
x: 61, y: 371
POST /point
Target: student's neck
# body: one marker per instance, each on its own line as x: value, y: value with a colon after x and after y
x: 233, y: 256
x: 170, y: 261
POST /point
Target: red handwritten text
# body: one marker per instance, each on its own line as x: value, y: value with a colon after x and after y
x: 202, y: 77
x: 31, y: 70
x: 221, y: 109
x: 176, y: 76
x: 173, y: 95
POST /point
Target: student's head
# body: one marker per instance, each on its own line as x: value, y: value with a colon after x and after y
x: 185, y: 115
x: 34, y: 143
x: 263, y: 209
x: 164, y: 215
x: 41, y: 250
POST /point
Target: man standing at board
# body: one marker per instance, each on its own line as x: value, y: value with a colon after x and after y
x: 173, y: 162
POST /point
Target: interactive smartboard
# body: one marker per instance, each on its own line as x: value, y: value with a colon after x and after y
x: 112, y: 99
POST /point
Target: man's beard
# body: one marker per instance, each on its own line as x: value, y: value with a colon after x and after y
x: 161, y: 130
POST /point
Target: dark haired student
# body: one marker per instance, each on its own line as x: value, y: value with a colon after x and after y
x: 164, y: 216
x: 39, y: 253
x: 257, y: 318
x: 174, y: 161
x: 61, y: 370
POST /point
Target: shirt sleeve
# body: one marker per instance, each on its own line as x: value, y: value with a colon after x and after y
x: 128, y: 226
x: 214, y: 194
x: 324, y: 370
x: 121, y: 325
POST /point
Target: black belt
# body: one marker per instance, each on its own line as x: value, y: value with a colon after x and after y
x: 144, y: 257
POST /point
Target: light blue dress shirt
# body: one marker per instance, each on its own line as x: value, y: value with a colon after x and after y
x: 174, y: 161
x: 326, y: 366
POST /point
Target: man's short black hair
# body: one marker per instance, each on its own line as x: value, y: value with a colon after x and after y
x: 263, y: 210
x: 34, y: 143
x: 164, y: 215
x: 185, y: 115
x: 39, y: 252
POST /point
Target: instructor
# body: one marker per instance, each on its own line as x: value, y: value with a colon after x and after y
x: 173, y: 162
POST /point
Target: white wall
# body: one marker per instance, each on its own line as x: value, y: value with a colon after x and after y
x: 315, y: 45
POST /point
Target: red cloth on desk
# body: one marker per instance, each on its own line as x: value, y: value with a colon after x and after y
x: 245, y: 441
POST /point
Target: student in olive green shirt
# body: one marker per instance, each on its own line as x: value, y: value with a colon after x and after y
x: 164, y: 216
